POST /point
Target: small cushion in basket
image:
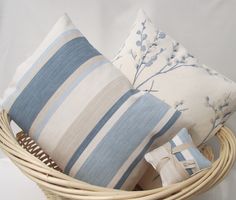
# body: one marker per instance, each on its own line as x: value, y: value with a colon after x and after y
x: 178, y: 159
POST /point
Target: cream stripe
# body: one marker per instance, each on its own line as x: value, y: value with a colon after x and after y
x: 135, y: 175
x: 68, y: 112
x: 110, y: 123
x: 137, y: 151
x: 178, y: 125
x: 85, y: 122
x: 186, y: 153
x: 33, y: 68
x: 37, y: 122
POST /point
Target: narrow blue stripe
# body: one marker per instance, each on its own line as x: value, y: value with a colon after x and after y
x: 140, y: 157
x: 180, y: 157
x: 197, y: 155
x: 97, y: 128
x: 50, y: 77
x: 123, y: 138
x: 64, y: 95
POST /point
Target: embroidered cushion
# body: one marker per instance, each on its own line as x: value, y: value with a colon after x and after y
x: 155, y: 62
x: 84, y: 112
x: 178, y: 159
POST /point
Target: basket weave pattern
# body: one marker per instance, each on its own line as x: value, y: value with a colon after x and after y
x: 30, y: 145
x: 58, y: 186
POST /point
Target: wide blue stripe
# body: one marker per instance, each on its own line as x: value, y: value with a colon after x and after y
x: 97, y: 128
x: 184, y: 136
x: 201, y: 160
x: 123, y: 138
x: 180, y: 157
x: 197, y: 155
x: 140, y: 157
x: 49, y: 113
x: 47, y: 51
x: 50, y: 77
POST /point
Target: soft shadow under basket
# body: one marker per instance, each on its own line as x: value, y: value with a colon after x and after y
x: 38, y: 166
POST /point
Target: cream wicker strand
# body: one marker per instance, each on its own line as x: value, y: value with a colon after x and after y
x: 58, y: 186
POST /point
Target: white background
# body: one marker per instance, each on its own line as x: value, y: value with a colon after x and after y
x: 206, y: 27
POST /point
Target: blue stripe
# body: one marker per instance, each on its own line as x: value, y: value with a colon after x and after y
x: 197, y: 155
x: 50, y: 77
x: 201, y: 160
x: 180, y: 157
x: 47, y: 51
x: 97, y: 128
x: 146, y: 148
x: 184, y: 136
x: 123, y: 138
x: 49, y: 113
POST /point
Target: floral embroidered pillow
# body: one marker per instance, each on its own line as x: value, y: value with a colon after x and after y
x: 178, y: 159
x: 155, y: 62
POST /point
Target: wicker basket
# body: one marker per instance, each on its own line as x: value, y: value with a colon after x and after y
x: 57, y: 186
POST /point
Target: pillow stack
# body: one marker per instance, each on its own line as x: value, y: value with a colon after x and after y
x: 96, y: 122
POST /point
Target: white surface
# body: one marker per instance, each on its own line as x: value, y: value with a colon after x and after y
x: 14, y: 185
x: 208, y: 30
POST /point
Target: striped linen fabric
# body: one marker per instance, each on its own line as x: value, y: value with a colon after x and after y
x: 178, y: 159
x: 84, y: 113
x: 191, y: 153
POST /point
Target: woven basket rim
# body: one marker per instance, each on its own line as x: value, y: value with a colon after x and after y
x: 57, y: 185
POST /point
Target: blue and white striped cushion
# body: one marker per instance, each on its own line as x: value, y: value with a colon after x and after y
x: 84, y: 113
x: 191, y: 153
x: 176, y: 160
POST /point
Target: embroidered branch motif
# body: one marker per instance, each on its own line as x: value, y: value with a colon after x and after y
x: 212, y: 72
x: 179, y: 105
x: 173, y: 63
x: 151, y: 88
x: 147, y: 50
x: 221, y: 112
x: 150, y: 51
